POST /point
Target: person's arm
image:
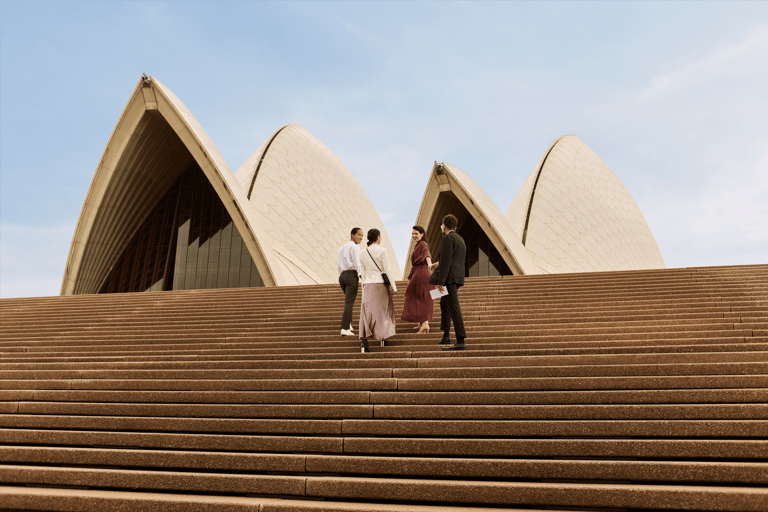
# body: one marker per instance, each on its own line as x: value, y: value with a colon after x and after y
x: 356, y: 259
x: 385, y: 267
x: 361, y: 268
x: 420, y: 253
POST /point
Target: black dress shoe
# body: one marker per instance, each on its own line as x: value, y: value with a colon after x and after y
x: 364, y: 346
x: 445, y: 341
x: 459, y: 345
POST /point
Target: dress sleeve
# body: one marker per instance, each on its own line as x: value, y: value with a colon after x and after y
x: 420, y: 254
x: 361, y: 259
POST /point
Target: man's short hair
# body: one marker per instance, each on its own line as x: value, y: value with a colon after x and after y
x: 355, y: 230
x: 450, y: 221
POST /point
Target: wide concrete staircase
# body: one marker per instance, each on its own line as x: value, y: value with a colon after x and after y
x: 643, y: 390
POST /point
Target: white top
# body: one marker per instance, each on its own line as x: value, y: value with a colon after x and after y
x: 349, y: 257
x: 368, y: 270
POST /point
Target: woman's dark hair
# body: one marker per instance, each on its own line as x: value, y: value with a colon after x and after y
x: 421, y: 230
x: 373, y: 235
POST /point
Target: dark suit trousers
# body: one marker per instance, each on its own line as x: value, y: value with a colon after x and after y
x: 349, y: 283
x: 451, y: 310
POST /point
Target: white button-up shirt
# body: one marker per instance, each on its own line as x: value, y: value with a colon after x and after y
x: 349, y: 257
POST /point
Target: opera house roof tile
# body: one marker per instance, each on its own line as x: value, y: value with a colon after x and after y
x: 307, y: 200
x: 579, y: 217
x: 572, y: 214
x: 292, y: 203
x: 155, y: 138
x: 292, y: 215
x: 449, y: 188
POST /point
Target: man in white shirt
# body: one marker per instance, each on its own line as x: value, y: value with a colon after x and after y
x: 349, y: 277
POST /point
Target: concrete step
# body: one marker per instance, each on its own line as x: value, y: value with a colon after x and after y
x: 175, y: 441
x: 501, y: 323
x: 473, y: 321
x: 736, y: 295
x: 617, y: 390
x: 211, y: 379
x: 401, y: 489
x: 397, y: 347
x: 556, y: 299
x: 728, y: 429
x: 83, y: 500
x: 576, y: 449
x: 718, y: 411
x: 507, y: 469
x: 400, y: 360
x: 620, y: 448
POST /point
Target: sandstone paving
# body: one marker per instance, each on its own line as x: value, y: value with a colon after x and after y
x: 641, y: 390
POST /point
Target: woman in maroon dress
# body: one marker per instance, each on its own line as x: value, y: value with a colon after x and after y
x: 417, y: 306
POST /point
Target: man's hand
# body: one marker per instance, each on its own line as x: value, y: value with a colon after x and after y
x: 439, y: 287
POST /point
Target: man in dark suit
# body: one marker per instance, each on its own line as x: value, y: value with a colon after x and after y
x: 450, y: 276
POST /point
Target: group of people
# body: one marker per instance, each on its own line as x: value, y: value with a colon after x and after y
x: 370, y: 266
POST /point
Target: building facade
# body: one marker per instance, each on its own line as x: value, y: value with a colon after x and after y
x: 165, y: 212
x: 571, y: 215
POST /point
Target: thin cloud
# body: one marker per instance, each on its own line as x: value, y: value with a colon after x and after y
x: 362, y: 34
x: 755, y: 42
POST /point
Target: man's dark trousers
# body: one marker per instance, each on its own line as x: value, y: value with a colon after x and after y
x: 349, y: 283
x: 451, y: 310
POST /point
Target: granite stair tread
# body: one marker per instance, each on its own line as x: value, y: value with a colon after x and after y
x: 467, y: 468
x: 84, y: 500
x: 641, y: 390
x: 418, y: 490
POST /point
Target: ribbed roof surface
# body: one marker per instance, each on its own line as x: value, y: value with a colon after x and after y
x: 155, y: 139
x: 581, y: 219
x: 449, y: 187
x: 306, y: 202
x: 293, y: 217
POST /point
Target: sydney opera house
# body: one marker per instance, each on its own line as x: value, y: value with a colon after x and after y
x: 165, y: 212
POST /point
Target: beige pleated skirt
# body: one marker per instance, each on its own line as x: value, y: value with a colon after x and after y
x: 377, y: 312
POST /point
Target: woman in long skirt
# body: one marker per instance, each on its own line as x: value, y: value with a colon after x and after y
x: 377, y: 312
x: 417, y: 304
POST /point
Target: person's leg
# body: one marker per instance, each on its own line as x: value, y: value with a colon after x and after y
x: 343, y: 284
x: 455, y: 310
x: 349, y: 282
x: 350, y: 295
x: 445, y: 319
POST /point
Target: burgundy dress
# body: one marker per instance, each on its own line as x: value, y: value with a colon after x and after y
x: 417, y: 305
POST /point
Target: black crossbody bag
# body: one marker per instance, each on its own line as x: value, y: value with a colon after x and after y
x: 384, y: 275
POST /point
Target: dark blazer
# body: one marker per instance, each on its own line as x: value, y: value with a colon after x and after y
x: 453, y: 252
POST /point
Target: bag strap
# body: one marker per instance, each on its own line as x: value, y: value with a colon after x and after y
x: 373, y: 260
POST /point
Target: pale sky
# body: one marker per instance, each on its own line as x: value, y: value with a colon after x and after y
x: 671, y: 95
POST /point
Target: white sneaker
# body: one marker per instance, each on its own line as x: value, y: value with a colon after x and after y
x: 347, y: 332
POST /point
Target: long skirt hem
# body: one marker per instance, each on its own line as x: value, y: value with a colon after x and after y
x: 418, y: 305
x: 377, y: 312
